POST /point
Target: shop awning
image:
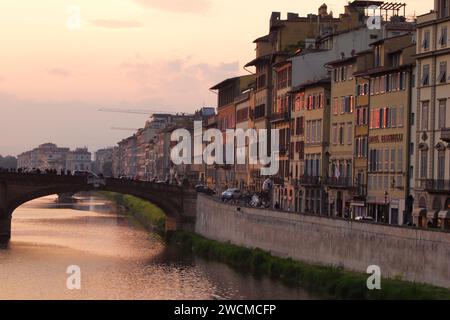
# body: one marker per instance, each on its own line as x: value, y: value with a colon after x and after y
x: 432, y: 214
x: 357, y: 204
x: 444, y: 214
x: 419, y: 212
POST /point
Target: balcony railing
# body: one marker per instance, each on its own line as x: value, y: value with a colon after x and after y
x: 277, y: 117
x: 437, y: 186
x: 339, y: 183
x: 445, y: 135
x: 310, y: 181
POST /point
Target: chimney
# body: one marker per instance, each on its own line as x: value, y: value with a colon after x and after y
x: 292, y: 16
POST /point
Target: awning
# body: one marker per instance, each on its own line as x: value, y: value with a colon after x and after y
x: 432, y: 214
x: 444, y: 214
x: 419, y: 212
x: 358, y: 204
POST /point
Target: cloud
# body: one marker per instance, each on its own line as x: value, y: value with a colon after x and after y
x: 115, y: 24
x: 59, y: 72
x: 179, y: 82
x: 180, y: 6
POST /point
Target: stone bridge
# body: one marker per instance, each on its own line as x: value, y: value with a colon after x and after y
x: 179, y: 203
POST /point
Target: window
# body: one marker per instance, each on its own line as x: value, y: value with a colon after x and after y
x: 442, y: 78
x: 319, y: 131
x: 443, y: 39
x: 381, y: 123
x: 423, y: 164
x: 350, y: 72
x: 400, y: 160
x: 402, y: 81
x: 343, y: 73
x: 335, y: 105
x: 379, y: 160
x: 392, y: 159
x: 349, y: 133
x: 426, y: 40
x: 313, y: 131
x: 335, y: 134
x: 426, y: 75
x: 441, y: 164
x: 425, y: 118
x: 395, y: 59
x: 364, y: 116
x: 341, y: 134
x: 393, y: 117
x: 308, y: 131
x: 399, y: 182
x: 442, y: 113
x: 443, y: 8
x: 377, y: 61
x: 400, y: 116
x: 386, y: 160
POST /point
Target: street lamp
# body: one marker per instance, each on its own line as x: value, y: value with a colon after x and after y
x: 385, y: 205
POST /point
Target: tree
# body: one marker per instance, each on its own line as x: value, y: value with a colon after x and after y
x: 107, y: 169
x: 8, y: 162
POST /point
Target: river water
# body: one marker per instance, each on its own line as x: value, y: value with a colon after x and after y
x: 117, y: 258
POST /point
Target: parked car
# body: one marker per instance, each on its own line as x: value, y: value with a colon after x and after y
x: 201, y: 188
x: 367, y: 219
x: 231, y: 194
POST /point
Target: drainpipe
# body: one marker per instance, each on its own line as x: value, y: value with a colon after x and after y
x: 408, y: 135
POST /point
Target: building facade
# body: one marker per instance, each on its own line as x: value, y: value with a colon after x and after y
x: 432, y: 187
x: 79, y: 159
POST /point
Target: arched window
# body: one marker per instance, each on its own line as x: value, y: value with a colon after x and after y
x: 422, y: 202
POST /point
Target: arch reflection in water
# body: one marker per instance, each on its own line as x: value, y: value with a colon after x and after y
x: 118, y: 259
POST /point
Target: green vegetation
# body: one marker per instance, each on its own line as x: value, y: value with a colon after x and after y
x: 324, y: 281
x: 149, y: 215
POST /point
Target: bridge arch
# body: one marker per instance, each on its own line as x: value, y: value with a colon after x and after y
x: 178, y: 203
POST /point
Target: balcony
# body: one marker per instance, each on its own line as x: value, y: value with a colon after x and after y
x: 279, y: 117
x: 310, y: 181
x: 437, y: 186
x: 339, y: 183
x: 445, y: 135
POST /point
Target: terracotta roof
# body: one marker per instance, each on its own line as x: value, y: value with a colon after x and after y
x: 313, y: 83
x: 341, y: 61
x: 262, y: 39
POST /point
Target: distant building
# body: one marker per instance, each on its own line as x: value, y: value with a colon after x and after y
x: 45, y: 156
x: 104, y: 160
x: 79, y: 159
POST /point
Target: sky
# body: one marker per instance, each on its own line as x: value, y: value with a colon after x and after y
x: 56, y: 71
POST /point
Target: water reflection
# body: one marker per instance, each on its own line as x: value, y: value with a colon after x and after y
x: 118, y: 259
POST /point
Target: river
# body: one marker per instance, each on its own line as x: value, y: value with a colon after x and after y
x: 118, y: 259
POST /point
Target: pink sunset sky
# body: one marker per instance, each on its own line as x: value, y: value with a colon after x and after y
x: 132, y: 54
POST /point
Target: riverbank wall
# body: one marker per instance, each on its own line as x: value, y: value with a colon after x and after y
x: 408, y: 254
x: 146, y: 213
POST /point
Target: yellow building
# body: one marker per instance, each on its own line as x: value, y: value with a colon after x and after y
x: 364, y: 61
x: 432, y: 174
x: 339, y: 180
x: 389, y: 129
x: 310, y: 132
